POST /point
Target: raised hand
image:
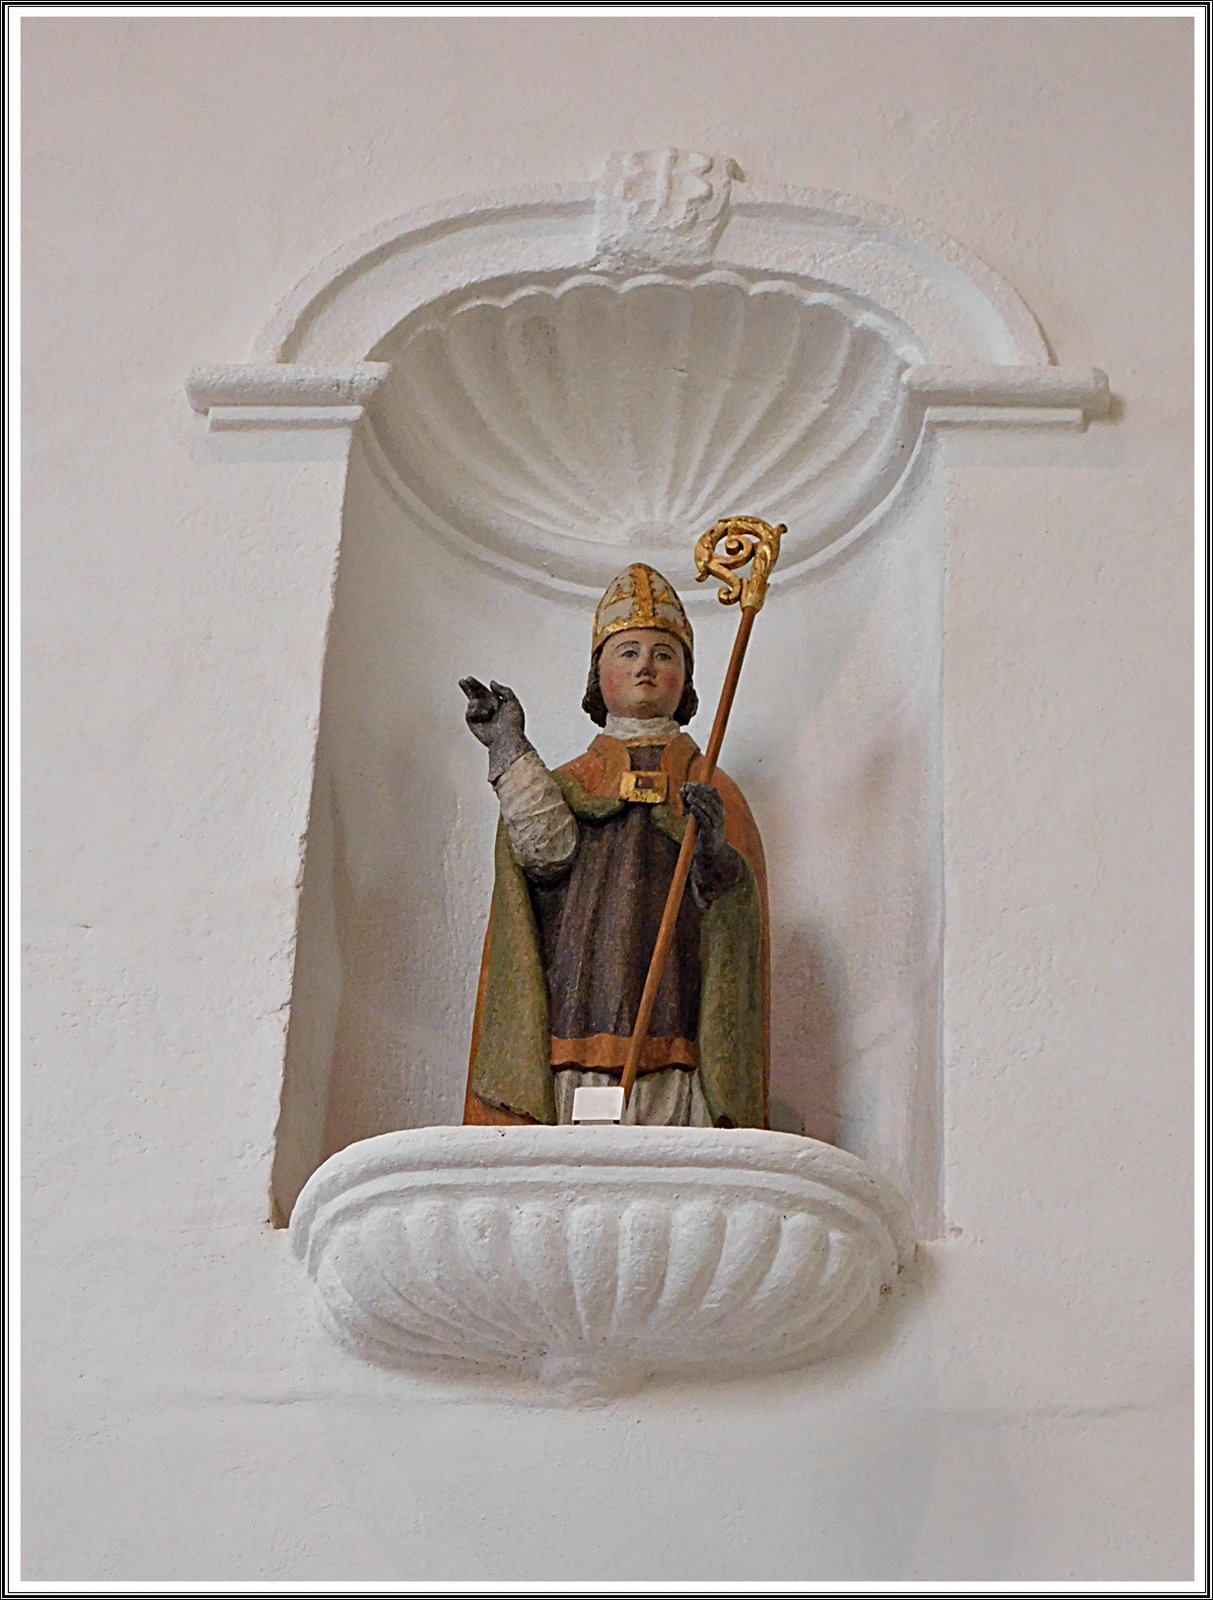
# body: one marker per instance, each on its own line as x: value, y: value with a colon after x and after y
x: 496, y: 717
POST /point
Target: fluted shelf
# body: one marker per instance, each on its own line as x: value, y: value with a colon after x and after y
x: 591, y: 1258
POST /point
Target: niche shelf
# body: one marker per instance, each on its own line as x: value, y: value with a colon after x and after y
x: 590, y: 1259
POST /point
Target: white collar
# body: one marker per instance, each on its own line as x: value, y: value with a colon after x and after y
x: 657, y: 730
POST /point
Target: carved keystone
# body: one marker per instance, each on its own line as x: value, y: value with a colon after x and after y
x: 663, y: 207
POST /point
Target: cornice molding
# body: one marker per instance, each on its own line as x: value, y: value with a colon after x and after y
x: 556, y: 379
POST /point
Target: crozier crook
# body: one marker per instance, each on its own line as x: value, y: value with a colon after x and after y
x: 743, y: 539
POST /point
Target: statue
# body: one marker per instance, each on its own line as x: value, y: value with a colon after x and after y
x: 585, y: 859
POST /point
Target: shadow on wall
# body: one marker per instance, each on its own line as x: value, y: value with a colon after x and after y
x: 808, y: 1065
x: 398, y: 1056
x: 318, y: 999
x: 348, y: 918
x: 369, y: 1045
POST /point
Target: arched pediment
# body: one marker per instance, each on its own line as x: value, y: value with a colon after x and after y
x: 557, y: 378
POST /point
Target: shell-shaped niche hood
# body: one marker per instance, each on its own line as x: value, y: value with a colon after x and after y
x: 560, y: 380
x: 586, y: 421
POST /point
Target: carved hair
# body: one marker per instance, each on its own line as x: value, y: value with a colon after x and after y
x: 594, y: 705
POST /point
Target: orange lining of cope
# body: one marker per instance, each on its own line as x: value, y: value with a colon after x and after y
x: 607, y: 1052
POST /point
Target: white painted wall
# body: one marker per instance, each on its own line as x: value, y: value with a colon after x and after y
x: 1023, y: 1410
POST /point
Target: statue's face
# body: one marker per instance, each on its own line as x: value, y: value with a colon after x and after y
x: 641, y: 672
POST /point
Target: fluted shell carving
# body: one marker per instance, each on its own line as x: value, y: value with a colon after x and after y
x: 558, y: 429
x: 591, y: 1258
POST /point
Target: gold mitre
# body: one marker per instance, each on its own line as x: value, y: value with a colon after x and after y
x: 641, y: 598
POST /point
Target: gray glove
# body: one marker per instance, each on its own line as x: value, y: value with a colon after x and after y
x: 496, y: 717
x: 715, y: 864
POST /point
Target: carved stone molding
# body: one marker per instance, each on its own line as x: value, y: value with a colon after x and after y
x: 560, y: 380
x: 649, y: 209
x: 663, y: 207
x: 591, y: 1258
x: 1048, y: 397
x: 248, y: 399
x: 605, y: 418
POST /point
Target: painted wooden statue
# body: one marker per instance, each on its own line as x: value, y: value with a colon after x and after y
x: 585, y: 859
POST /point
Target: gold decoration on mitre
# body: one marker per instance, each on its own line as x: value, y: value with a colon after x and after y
x: 641, y: 598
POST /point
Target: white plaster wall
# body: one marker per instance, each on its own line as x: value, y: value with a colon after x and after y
x: 1023, y: 1410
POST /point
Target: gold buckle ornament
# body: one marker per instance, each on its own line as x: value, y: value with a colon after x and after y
x: 646, y: 788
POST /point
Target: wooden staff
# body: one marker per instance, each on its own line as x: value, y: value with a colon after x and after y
x: 744, y: 539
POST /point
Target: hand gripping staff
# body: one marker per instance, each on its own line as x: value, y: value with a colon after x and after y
x: 742, y: 540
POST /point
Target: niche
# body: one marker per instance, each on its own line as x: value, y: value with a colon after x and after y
x: 544, y: 388
x: 584, y: 425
